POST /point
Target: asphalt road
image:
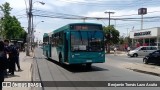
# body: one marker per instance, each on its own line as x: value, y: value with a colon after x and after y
x: 49, y: 70
x: 125, y: 58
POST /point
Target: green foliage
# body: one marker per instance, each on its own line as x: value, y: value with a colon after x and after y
x: 114, y: 34
x: 121, y: 40
x: 11, y: 26
x: 6, y: 9
x: 128, y: 40
x: 125, y: 40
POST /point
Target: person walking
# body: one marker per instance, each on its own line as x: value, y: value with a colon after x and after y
x: 6, y: 49
x: 115, y: 50
x: 16, y: 52
x: 3, y: 63
x: 128, y: 49
x: 12, y: 59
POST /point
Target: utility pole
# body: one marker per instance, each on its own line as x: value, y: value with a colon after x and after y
x: 127, y: 36
x: 127, y: 32
x: 84, y: 20
x: 29, y: 28
x: 109, y: 13
x: 115, y: 23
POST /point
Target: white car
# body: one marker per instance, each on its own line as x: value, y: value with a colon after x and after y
x: 142, y: 51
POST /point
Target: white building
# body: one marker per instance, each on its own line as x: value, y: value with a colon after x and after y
x: 146, y: 37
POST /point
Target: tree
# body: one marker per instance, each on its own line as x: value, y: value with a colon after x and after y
x: 6, y: 9
x: 121, y: 40
x: 112, y: 36
x: 11, y: 26
x: 128, y: 40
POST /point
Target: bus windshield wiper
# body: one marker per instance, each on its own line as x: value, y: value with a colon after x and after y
x: 80, y: 36
x: 94, y: 33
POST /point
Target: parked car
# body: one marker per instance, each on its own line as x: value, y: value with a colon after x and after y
x: 153, y: 57
x: 142, y: 51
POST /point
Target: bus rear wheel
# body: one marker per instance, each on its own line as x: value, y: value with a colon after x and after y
x: 88, y: 65
x: 60, y: 58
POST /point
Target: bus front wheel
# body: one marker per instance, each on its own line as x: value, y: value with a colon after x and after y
x: 88, y: 65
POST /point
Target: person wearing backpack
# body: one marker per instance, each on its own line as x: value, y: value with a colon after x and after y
x: 3, y: 63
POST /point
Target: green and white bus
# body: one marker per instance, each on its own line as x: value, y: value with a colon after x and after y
x: 76, y: 43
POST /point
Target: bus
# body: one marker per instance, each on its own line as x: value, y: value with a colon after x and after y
x: 46, y: 45
x: 76, y: 43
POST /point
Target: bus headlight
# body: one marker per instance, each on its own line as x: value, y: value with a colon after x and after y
x: 72, y: 56
x: 102, y: 55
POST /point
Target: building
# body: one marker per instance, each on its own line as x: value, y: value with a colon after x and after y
x: 146, y: 37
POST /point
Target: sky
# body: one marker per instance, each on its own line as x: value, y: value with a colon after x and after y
x: 87, y: 8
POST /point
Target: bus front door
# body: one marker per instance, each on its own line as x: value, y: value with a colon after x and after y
x: 65, y: 48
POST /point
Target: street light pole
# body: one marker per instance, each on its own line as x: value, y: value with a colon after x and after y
x: 109, y: 13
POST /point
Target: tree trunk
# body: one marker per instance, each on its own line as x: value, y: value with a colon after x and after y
x: 108, y: 46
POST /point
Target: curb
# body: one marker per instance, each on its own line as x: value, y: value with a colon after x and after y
x: 146, y: 72
x: 142, y: 68
x: 34, y: 73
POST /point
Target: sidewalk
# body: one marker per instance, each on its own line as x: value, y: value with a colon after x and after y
x: 143, y: 68
x: 119, y: 53
x: 25, y: 75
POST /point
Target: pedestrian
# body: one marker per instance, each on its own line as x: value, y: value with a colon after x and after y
x: 115, y: 50
x: 16, y: 52
x: 12, y: 59
x: 128, y: 49
x: 6, y: 49
x: 3, y: 63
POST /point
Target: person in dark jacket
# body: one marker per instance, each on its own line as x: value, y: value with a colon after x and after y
x: 3, y: 63
x: 12, y: 59
x: 16, y: 52
x: 6, y: 49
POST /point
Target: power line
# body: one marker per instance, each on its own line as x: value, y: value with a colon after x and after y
x: 54, y: 13
x: 134, y: 14
x: 70, y: 15
x: 19, y: 11
x: 115, y: 3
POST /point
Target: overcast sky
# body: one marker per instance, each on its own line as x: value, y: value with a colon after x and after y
x: 89, y: 8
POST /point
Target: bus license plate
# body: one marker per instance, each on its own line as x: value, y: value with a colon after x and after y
x: 89, y: 61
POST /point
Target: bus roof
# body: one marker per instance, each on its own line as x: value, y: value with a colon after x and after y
x: 45, y: 35
x: 50, y: 34
x: 67, y: 26
x: 85, y: 23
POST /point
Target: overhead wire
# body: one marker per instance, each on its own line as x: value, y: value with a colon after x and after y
x: 98, y: 3
x: 41, y: 13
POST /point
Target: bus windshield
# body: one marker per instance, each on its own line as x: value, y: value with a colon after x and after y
x: 87, y: 41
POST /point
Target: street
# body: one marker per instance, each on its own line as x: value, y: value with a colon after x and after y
x: 111, y: 70
x: 125, y: 58
x: 79, y: 44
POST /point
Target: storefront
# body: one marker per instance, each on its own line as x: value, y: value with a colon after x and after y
x: 146, y: 37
